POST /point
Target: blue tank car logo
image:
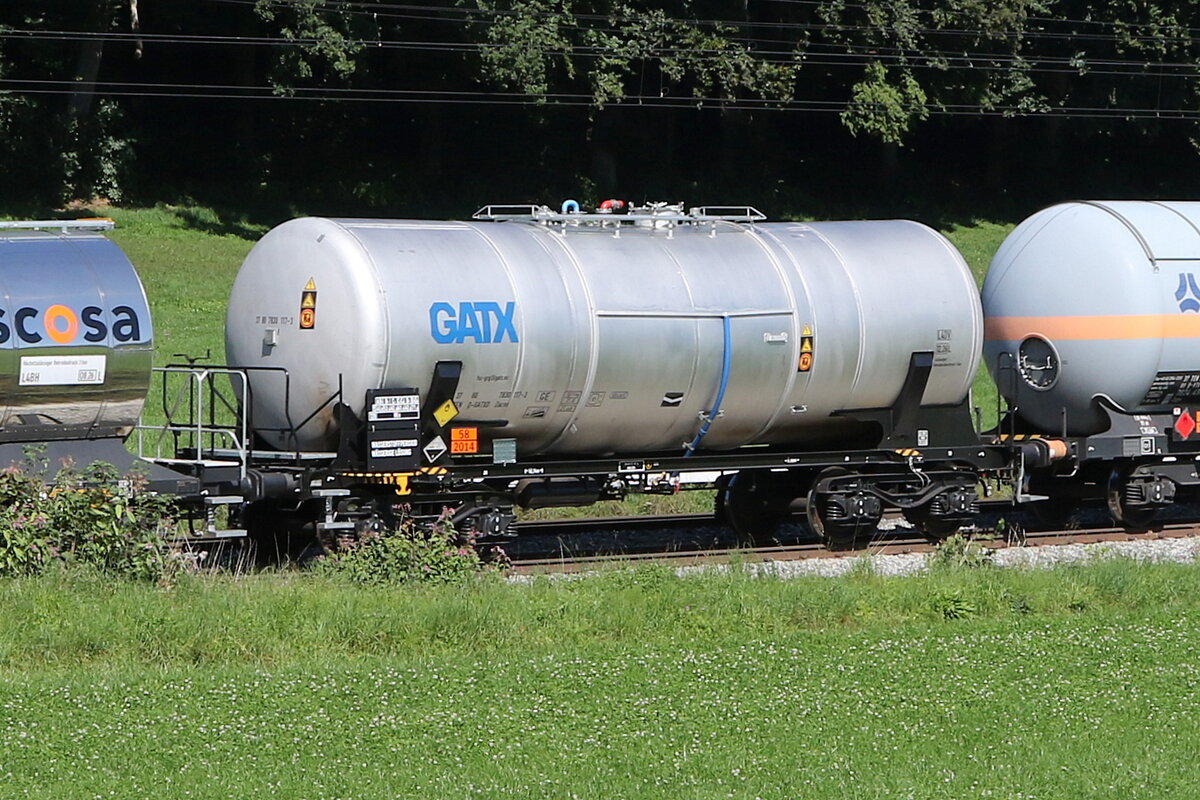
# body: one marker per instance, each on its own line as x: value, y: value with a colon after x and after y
x: 485, y: 323
x: 1188, y: 294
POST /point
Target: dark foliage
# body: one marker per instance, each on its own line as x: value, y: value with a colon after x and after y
x: 327, y: 106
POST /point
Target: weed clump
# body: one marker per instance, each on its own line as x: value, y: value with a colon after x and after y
x: 959, y: 552
x: 408, y: 553
x: 953, y: 604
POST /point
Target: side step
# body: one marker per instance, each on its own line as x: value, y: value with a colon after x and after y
x: 211, y: 532
x: 331, y: 523
x: 335, y: 526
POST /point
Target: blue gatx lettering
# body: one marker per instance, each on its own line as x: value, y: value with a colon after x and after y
x: 485, y: 323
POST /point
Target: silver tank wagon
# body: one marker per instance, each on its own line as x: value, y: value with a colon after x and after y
x: 76, y: 342
x: 594, y: 336
x: 1092, y: 303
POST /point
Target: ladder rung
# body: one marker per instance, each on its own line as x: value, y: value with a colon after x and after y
x: 223, y: 499
x: 212, y: 536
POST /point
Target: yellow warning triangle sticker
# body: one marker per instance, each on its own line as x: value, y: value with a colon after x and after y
x: 806, y: 332
x: 309, y: 301
x: 806, y: 346
x: 445, y: 412
x: 311, y: 286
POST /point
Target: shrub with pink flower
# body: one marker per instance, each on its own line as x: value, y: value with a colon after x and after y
x: 84, y: 517
x: 408, y: 553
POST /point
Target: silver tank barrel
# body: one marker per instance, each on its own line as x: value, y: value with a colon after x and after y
x: 1096, y: 303
x: 76, y: 342
x: 605, y: 338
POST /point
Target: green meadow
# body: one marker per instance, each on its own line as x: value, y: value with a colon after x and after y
x: 1076, y: 683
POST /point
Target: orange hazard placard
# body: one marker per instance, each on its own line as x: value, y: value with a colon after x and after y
x: 805, y: 362
x: 464, y: 440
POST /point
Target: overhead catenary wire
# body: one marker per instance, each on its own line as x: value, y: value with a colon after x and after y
x: 458, y: 14
x: 412, y: 96
x: 852, y: 55
x: 405, y: 11
x: 815, y: 55
x: 473, y: 14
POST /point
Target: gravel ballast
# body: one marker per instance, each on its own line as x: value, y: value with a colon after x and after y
x: 1178, y: 550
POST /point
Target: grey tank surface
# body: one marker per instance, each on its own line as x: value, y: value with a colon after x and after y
x: 594, y: 337
x: 76, y: 343
x: 1096, y: 303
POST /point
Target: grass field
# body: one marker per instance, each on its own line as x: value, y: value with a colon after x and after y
x: 187, y: 259
x: 1075, y: 684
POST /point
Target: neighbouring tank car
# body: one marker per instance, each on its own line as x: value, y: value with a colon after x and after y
x: 1092, y: 316
x: 555, y: 358
x: 76, y: 346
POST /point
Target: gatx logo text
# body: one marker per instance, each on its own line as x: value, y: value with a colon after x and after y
x: 486, y: 323
x: 61, y: 325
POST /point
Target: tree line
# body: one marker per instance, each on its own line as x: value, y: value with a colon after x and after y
x: 357, y: 105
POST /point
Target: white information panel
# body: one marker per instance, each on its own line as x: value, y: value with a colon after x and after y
x: 394, y: 406
x: 62, y: 370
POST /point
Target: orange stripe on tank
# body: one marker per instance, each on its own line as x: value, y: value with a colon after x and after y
x: 1110, y: 327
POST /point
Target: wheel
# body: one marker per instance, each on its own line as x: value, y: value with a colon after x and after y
x: 935, y: 529
x: 943, y: 514
x: 1133, y: 518
x: 755, y: 503
x: 841, y: 518
x: 834, y: 537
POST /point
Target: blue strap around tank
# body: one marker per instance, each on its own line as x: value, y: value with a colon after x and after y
x: 726, y: 359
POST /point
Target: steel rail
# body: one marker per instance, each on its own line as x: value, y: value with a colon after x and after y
x: 902, y: 543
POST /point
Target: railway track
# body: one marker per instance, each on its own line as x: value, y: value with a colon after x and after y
x: 897, y: 541
x: 561, y: 539
x: 565, y: 526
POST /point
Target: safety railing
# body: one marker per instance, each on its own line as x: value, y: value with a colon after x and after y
x: 64, y: 225
x: 205, y: 417
x: 652, y: 215
x: 201, y: 414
